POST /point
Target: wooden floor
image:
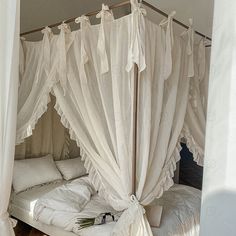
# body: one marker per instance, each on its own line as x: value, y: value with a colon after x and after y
x: 23, y: 229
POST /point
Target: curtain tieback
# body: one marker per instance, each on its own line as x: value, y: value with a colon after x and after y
x: 131, y: 219
x: 136, y: 53
x: 106, y: 15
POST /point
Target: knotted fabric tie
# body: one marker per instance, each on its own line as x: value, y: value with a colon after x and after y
x: 84, y: 23
x: 63, y: 46
x: 44, y: 58
x: 106, y: 15
x: 190, y: 45
x: 201, y: 59
x: 133, y: 221
x: 169, y: 42
x: 136, y: 53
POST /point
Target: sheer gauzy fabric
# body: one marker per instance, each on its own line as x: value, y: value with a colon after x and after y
x: 195, y: 120
x: 9, y: 61
x: 91, y: 74
x: 49, y: 136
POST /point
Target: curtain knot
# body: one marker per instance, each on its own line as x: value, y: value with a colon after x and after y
x: 131, y: 219
x: 64, y: 27
x: 46, y: 30
x: 106, y: 15
x: 136, y: 53
x: 190, y: 48
x: 83, y: 21
x: 136, y: 7
x: 169, y: 42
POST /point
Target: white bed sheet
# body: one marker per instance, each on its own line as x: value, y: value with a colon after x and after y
x: 180, y: 217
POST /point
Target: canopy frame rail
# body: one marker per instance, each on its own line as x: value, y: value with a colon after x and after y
x: 124, y: 3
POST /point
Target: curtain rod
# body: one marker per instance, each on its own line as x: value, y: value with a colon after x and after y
x: 113, y: 7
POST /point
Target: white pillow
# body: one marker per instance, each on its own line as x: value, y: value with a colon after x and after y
x: 30, y: 172
x: 71, y: 168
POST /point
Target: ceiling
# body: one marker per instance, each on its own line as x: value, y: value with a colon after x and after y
x: 38, y: 13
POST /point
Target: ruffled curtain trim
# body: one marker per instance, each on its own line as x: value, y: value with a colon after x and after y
x: 93, y: 173
x: 28, y: 128
x: 168, y: 172
x: 194, y: 148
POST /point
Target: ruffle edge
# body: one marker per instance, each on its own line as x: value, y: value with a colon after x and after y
x: 27, y: 129
x: 194, y: 148
x: 168, y: 172
x: 92, y: 172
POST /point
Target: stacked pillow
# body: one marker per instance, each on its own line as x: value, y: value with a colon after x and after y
x: 71, y: 168
x: 37, y: 171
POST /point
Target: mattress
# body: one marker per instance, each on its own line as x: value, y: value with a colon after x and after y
x: 180, y: 216
x: 28, y: 198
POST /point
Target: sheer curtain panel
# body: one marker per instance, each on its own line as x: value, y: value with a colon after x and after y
x: 9, y: 78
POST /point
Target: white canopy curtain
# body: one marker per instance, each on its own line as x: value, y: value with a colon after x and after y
x: 92, y: 77
x: 9, y: 42
x: 195, y: 120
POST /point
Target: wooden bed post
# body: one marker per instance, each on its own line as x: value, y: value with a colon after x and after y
x: 135, y: 127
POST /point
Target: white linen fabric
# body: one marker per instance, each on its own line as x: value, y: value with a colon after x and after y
x: 9, y: 78
x: 92, y: 77
x: 30, y: 172
x: 71, y: 168
x: 195, y: 119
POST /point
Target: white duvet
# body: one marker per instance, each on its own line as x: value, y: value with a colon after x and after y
x: 63, y: 206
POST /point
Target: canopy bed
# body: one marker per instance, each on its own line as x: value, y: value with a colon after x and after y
x: 122, y: 89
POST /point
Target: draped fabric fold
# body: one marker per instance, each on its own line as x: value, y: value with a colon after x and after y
x: 84, y: 23
x: 64, y: 43
x: 106, y: 15
x: 195, y: 120
x: 136, y: 51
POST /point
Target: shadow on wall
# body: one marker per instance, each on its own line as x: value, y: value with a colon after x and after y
x: 218, y: 214
x: 189, y: 173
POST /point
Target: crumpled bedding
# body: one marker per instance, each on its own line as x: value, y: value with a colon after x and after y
x: 64, y: 205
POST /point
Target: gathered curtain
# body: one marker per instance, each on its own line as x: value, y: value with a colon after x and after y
x: 9, y: 58
x: 91, y: 74
x: 195, y: 119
